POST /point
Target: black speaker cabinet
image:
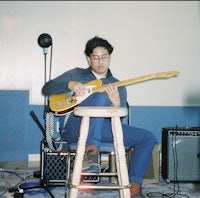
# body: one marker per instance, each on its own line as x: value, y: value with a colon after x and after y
x: 181, y: 154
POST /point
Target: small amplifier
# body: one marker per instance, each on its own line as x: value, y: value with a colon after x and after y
x: 56, y: 167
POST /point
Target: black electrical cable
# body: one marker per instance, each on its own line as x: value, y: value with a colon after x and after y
x: 30, y: 188
x: 175, y: 157
x: 14, y: 188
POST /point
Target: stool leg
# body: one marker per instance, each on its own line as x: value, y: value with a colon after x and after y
x: 116, y: 158
x: 77, y: 169
x: 121, y: 164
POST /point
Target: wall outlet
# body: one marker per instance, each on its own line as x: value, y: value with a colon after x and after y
x: 34, y: 160
x: 33, y: 157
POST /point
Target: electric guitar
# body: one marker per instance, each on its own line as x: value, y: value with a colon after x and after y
x: 63, y: 103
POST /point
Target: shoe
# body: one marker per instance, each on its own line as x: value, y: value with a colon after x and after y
x: 90, y: 162
x: 137, y: 195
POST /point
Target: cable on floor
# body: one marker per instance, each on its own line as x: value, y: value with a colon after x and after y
x: 30, y: 188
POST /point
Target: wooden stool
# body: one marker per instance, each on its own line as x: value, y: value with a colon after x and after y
x: 121, y: 165
x: 122, y: 172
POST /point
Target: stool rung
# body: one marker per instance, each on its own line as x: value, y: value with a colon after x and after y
x: 100, y: 174
x: 100, y: 187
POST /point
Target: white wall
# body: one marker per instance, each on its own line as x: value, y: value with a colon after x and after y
x: 148, y: 37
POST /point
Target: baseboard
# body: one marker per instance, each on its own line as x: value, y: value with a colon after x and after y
x: 18, y: 165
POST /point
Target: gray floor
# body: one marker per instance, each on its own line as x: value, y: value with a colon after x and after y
x: 14, y: 175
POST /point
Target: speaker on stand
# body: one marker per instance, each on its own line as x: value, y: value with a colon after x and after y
x: 181, y: 154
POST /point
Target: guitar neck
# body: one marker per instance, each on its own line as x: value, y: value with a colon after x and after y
x: 128, y: 82
x: 135, y: 80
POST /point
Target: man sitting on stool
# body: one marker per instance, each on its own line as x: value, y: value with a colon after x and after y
x: 98, y: 53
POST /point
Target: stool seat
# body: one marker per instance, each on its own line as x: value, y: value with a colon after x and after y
x: 101, y: 111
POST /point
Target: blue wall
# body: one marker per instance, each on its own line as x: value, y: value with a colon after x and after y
x: 20, y: 135
x: 154, y: 118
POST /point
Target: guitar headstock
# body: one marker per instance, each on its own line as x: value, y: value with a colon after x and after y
x: 167, y: 74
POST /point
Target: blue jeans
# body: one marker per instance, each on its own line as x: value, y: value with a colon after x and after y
x: 141, y: 140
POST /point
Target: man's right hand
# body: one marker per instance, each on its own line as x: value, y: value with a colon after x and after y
x: 78, y: 88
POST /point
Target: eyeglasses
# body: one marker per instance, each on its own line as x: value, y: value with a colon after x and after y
x: 96, y: 58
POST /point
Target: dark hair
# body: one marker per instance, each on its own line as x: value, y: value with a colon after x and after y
x: 97, y: 42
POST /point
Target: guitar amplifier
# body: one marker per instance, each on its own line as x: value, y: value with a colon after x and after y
x: 181, y: 154
x: 56, y: 167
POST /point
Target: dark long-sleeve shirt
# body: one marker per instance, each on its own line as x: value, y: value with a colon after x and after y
x: 60, y: 83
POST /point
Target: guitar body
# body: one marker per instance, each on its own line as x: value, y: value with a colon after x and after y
x: 62, y: 103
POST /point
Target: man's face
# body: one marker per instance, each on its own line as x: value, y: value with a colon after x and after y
x: 99, y: 60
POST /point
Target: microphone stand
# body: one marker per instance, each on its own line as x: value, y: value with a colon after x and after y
x: 43, y: 182
x: 46, y: 101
